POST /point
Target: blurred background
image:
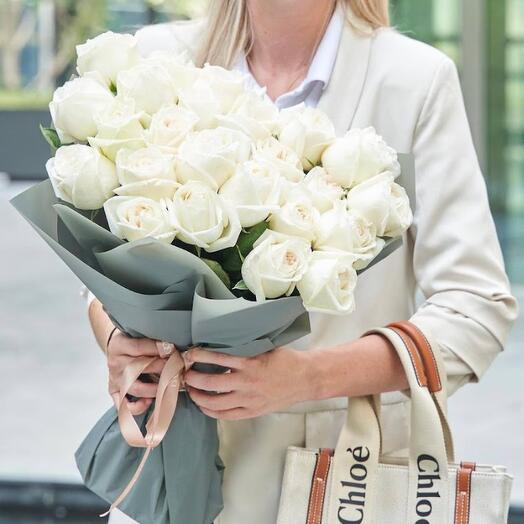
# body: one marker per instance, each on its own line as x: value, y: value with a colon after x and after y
x: 53, y: 386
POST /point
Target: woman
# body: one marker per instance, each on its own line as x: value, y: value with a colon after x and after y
x: 343, y: 57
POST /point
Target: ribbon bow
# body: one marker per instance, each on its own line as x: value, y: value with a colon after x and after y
x: 169, y: 384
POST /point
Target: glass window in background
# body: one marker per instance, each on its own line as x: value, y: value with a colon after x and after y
x: 507, y: 138
x: 436, y: 22
x: 514, y: 97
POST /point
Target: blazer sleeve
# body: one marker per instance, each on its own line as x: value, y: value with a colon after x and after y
x: 468, y: 308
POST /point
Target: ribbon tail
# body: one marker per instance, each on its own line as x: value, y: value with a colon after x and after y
x: 130, y: 484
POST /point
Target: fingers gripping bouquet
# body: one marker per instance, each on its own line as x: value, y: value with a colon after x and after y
x: 200, y: 214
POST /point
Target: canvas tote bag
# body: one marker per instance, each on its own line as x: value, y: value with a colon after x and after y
x: 353, y: 484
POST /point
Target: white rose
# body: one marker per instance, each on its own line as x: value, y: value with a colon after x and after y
x: 400, y: 214
x: 329, y: 283
x: 202, y: 100
x: 254, y: 191
x: 119, y: 126
x: 135, y: 217
x: 341, y: 230
x: 267, y: 180
x: 383, y: 203
x: 82, y: 176
x: 74, y: 105
x: 297, y: 218
x: 321, y: 189
x: 170, y: 126
x: 275, y: 265
x: 148, y: 84
x: 107, y: 54
x: 147, y: 172
x: 181, y: 70
x: 279, y: 156
x: 308, y: 131
x: 212, y: 93
x: 359, y: 155
x: 254, y: 114
x: 202, y: 218
x: 212, y: 155
x: 230, y: 84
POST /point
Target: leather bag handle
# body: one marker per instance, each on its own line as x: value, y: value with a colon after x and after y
x: 434, y: 368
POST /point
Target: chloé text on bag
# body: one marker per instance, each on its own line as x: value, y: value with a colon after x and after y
x: 351, y: 508
x: 428, y: 468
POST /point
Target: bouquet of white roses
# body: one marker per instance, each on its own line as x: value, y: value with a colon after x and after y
x: 272, y: 199
x: 185, y: 200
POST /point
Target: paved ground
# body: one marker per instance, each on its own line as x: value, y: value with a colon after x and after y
x: 53, y: 378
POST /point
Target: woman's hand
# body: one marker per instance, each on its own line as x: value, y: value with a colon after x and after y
x: 274, y: 380
x: 120, y: 352
x: 255, y: 386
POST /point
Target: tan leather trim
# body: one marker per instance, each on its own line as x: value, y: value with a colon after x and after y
x: 318, y: 486
x: 416, y: 359
x: 463, y: 492
x: 425, y: 350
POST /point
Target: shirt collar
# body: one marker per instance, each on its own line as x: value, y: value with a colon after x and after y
x: 323, y: 62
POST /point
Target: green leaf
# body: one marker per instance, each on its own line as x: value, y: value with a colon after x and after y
x: 219, y: 271
x: 231, y: 260
x: 51, y: 136
x: 233, y: 257
x: 249, y: 236
x: 241, y: 286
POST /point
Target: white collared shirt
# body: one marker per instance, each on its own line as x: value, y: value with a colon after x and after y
x: 310, y: 89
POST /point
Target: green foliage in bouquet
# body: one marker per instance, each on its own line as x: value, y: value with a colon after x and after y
x: 51, y: 137
x: 232, y: 258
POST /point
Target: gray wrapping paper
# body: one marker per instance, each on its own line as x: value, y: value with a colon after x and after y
x: 159, y: 291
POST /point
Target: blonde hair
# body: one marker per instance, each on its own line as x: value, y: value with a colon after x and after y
x: 228, y: 30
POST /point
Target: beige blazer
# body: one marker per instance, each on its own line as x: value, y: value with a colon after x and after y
x: 451, y: 258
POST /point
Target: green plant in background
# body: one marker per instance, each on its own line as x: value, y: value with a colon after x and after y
x: 17, y: 26
x: 76, y: 21
x: 22, y: 99
x: 52, y: 28
x: 179, y: 8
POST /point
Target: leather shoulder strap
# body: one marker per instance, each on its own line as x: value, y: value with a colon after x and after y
x: 414, y: 355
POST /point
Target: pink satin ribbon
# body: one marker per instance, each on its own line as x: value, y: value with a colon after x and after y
x: 169, y: 384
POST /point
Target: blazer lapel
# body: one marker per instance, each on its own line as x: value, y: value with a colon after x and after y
x: 342, y: 94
